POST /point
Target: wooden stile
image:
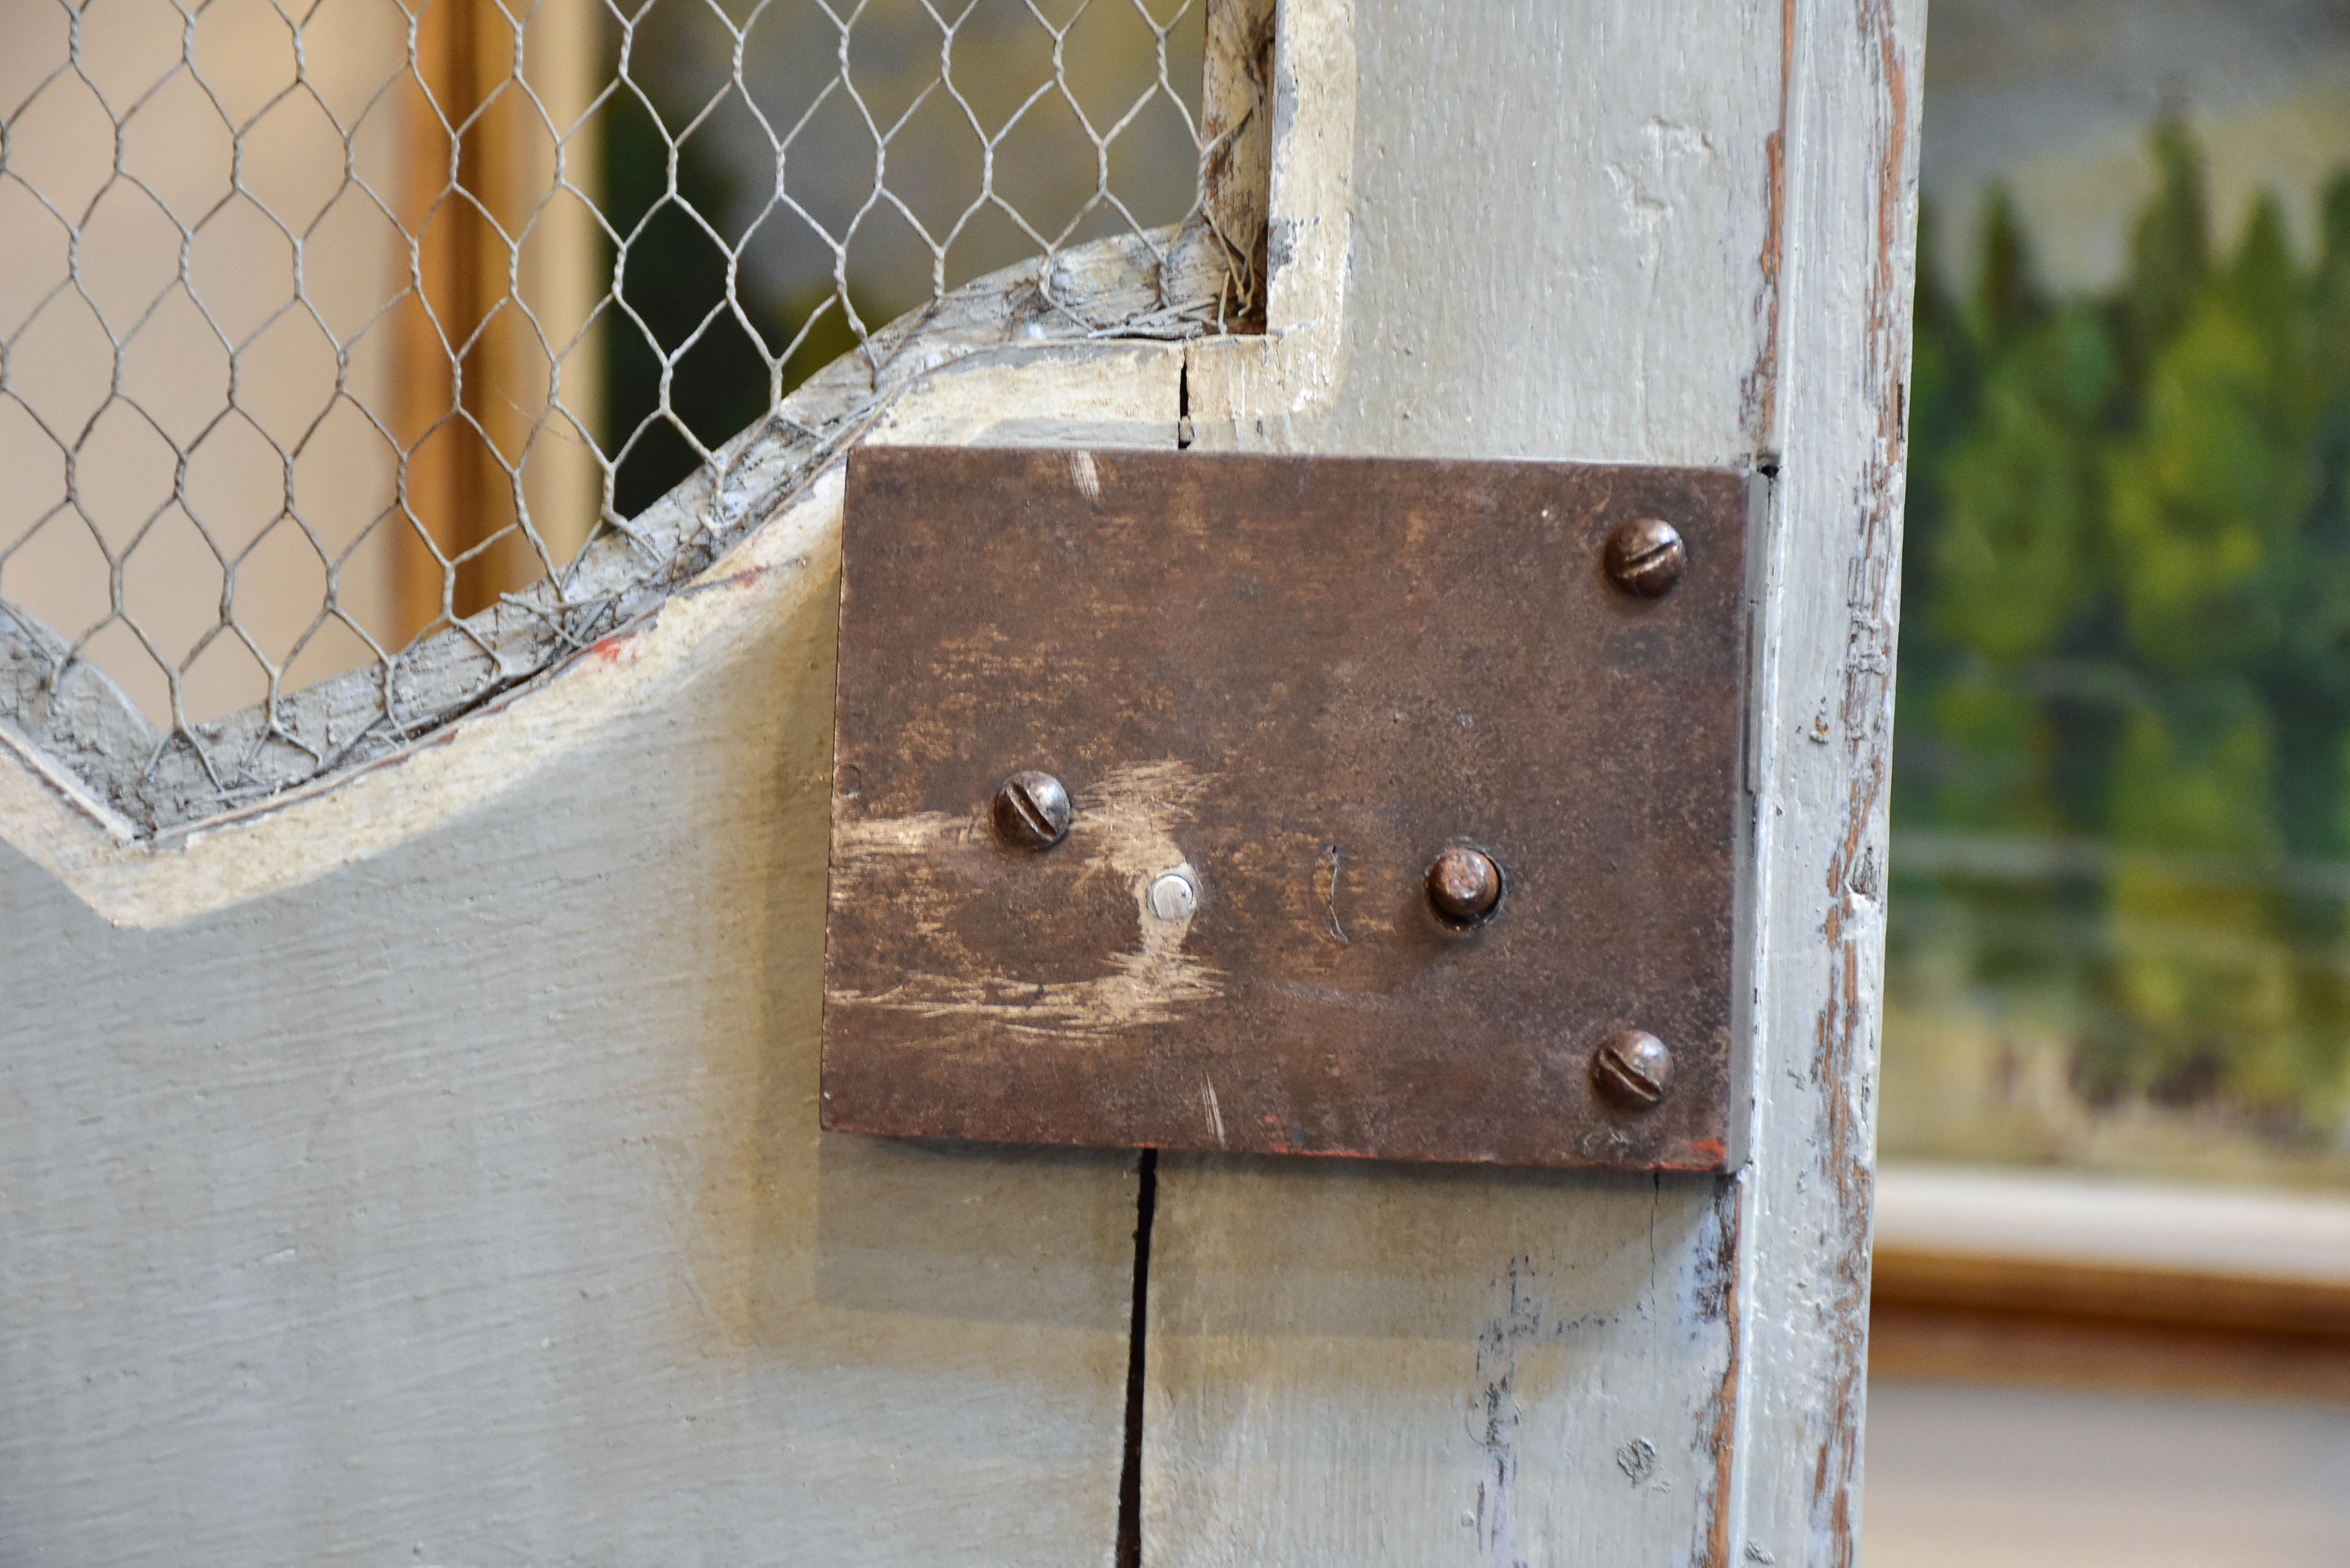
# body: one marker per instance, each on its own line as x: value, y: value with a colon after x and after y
x: 427, y: 1167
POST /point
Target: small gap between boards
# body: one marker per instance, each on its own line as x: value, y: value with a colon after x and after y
x: 1129, y: 1479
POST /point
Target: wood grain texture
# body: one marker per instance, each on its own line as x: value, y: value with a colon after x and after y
x: 1658, y: 233
x: 1552, y: 243
x: 425, y: 1168
x: 464, y: 1202
x: 1839, y: 377
x: 1944, y: 1342
x: 1236, y: 128
x: 435, y: 1175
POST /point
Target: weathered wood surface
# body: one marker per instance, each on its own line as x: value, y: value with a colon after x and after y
x: 1290, y: 684
x: 465, y: 1204
x: 1675, y: 232
x: 426, y: 1167
x: 1833, y: 395
x: 432, y: 1160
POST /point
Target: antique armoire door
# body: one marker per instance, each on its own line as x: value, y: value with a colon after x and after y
x: 424, y: 1168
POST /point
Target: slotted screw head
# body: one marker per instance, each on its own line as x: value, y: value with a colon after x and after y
x: 1633, y: 1068
x: 1645, y: 558
x: 1032, y: 810
x: 1463, y: 884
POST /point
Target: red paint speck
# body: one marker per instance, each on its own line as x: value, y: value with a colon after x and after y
x: 621, y: 648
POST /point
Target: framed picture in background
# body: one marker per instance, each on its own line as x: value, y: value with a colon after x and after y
x: 2116, y: 1113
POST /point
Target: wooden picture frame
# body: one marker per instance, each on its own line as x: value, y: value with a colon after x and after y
x: 2062, y: 1278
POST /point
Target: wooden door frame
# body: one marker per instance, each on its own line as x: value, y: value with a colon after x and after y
x: 1694, y: 243
x: 2069, y: 1279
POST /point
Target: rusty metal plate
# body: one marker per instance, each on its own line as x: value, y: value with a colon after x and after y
x: 1292, y: 683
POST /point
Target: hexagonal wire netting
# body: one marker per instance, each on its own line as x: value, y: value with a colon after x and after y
x: 349, y: 350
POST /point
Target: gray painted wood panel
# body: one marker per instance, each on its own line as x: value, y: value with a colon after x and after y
x: 466, y: 1205
x: 1627, y: 233
x: 427, y: 1170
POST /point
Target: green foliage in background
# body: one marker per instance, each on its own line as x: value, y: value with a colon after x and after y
x: 2127, y: 627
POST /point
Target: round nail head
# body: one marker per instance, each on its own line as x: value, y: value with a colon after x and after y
x: 1172, y: 896
x: 1032, y: 810
x: 1645, y: 558
x: 1464, y: 884
x: 1633, y: 1068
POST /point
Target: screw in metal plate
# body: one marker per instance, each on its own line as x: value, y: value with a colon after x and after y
x: 1032, y: 810
x: 1172, y: 896
x: 1645, y: 558
x: 1633, y: 1068
x: 1464, y: 884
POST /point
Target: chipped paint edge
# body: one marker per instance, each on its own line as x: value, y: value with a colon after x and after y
x: 1846, y: 194
x: 1299, y: 363
x: 1099, y: 393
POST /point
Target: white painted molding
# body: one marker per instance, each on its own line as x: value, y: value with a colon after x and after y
x: 2035, y: 1216
x: 1244, y: 391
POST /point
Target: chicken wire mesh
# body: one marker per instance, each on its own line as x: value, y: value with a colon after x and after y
x: 361, y: 360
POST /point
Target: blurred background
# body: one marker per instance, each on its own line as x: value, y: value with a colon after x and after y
x: 2122, y: 804
x: 271, y: 410
x: 2115, y: 1115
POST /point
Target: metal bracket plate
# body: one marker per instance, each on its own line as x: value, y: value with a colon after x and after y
x: 1276, y: 690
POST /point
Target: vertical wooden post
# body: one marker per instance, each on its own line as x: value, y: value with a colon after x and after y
x: 1236, y: 127
x: 1833, y: 417
x: 565, y: 272
x: 492, y: 235
x: 442, y: 487
x: 1674, y: 231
